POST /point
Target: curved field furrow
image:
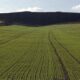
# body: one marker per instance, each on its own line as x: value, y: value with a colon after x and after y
x: 73, y: 66
x: 67, y: 50
x: 66, y: 76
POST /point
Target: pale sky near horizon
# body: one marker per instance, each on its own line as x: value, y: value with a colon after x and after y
x: 39, y: 5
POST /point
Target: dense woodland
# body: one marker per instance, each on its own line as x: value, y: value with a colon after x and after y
x: 38, y: 18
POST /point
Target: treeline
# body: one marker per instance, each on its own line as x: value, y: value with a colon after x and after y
x: 38, y: 18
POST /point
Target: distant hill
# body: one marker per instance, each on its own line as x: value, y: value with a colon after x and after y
x: 38, y: 18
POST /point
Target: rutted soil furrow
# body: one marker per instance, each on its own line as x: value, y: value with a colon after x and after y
x: 66, y: 76
x: 66, y: 50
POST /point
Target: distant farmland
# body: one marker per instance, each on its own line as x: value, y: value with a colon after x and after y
x: 40, y: 53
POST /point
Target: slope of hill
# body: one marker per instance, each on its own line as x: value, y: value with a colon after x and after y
x: 38, y: 18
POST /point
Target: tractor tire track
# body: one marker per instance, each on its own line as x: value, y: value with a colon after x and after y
x: 66, y: 50
x: 66, y: 76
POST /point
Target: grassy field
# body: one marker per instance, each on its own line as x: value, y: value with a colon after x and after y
x: 40, y: 53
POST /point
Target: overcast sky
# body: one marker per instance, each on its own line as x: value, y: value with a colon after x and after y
x: 39, y: 5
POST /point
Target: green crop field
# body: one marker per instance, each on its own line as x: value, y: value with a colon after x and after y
x: 40, y: 53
